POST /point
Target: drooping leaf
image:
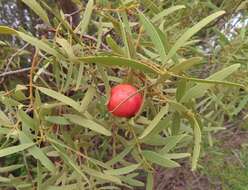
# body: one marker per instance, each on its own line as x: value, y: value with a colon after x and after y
x: 35, y: 6
x: 190, y: 32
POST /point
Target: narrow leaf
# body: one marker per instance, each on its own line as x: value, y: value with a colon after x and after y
x: 190, y: 32
x: 90, y: 124
x: 35, y: 6
x: 37, y: 153
x: 14, y: 149
x: 122, y: 171
x: 155, y: 37
x: 197, y: 144
x: 200, y: 89
x: 86, y: 19
x: 159, y: 159
x: 166, y: 12
x: 113, y: 61
x: 60, y: 97
x: 154, y: 122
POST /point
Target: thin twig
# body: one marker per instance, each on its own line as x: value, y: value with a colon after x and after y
x: 11, y: 58
x: 4, y: 74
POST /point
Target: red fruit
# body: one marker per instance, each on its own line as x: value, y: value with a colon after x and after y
x: 121, y: 93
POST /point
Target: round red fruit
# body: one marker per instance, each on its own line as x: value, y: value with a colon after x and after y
x: 125, y: 100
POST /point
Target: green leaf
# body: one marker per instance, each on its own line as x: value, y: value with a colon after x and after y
x: 60, y: 97
x: 35, y: 6
x: 113, y: 61
x: 100, y: 175
x: 57, y: 120
x: 71, y: 163
x: 120, y: 156
x: 122, y: 171
x: 10, y: 168
x: 131, y: 181
x: 86, y: 19
x: 14, y: 149
x: 200, y: 89
x: 159, y: 159
x: 176, y: 155
x: 37, y: 152
x: 154, y: 35
x: 7, y: 30
x: 39, y: 44
x: 154, y: 122
x: 197, y: 144
x: 166, y: 12
x: 79, y: 120
x: 190, y: 32
x: 149, y: 4
x: 171, y: 142
x: 64, y: 187
x: 185, y: 65
x: 4, y: 120
x: 150, y: 181
x: 30, y: 39
x: 66, y: 47
x: 24, y: 118
x: 88, y: 97
x: 114, y: 46
x: 5, y: 179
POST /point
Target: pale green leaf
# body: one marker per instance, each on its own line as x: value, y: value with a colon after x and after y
x: 166, y: 12
x: 86, y: 19
x: 120, y: 156
x: 150, y: 181
x: 171, y: 142
x: 90, y: 124
x: 39, y: 44
x: 57, y: 120
x: 35, y: 6
x: 97, y: 174
x: 176, y: 155
x: 114, y: 61
x: 60, y: 97
x: 37, y: 153
x: 122, y: 171
x: 14, y: 149
x: 7, y: 30
x: 197, y: 143
x: 200, y: 89
x: 10, y: 168
x: 154, y: 35
x: 190, y: 32
x: 88, y: 97
x: 159, y: 159
x: 154, y: 122
x: 185, y: 65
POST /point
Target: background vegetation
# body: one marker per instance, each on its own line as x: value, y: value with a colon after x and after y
x: 58, y: 61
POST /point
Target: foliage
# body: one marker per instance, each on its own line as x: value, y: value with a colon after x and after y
x: 54, y: 124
